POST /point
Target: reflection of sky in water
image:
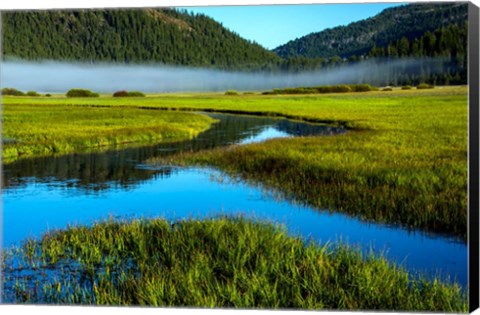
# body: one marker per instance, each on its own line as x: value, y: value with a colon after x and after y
x: 266, y: 133
x: 38, y: 207
x: 41, y: 195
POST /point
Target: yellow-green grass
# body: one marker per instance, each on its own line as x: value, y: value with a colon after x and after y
x: 221, y: 262
x: 404, y: 160
x: 32, y: 130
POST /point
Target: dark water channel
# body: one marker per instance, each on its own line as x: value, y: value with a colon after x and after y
x: 53, y: 192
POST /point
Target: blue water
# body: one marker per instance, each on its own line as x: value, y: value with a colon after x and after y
x: 54, y: 192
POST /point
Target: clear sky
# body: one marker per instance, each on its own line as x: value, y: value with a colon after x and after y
x: 271, y: 26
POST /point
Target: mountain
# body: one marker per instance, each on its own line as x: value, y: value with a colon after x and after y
x: 410, y: 21
x: 133, y: 36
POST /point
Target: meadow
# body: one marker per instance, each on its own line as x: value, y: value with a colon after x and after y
x: 31, y: 130
x: 403, y: 162
x: 218, y: 262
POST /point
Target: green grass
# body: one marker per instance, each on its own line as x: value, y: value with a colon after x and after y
x: 44, y: 130
x: 222, y: 262
x: 403, y: 162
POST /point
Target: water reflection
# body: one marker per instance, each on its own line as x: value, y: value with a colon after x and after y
x: 199, y: 193
x: 118, y: 168
x: 47, y: 193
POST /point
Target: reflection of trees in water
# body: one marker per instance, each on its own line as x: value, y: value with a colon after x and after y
x: 92, y: 171
x: 306, y: 129
x: 97, y: 171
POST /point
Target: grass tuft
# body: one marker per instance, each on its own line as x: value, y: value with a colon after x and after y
x: 221, y: 262
x: 342, y: 88
x: 81, y: 93
x: 60, y: 129
x: 12, y: 92
x: 424, y: 86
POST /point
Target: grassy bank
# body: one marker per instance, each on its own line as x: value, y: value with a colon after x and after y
x: 33, y: 130
x: 223, y: 262
x: 403, y: 162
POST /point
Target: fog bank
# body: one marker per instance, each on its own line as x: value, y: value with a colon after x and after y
x: 58, y: 77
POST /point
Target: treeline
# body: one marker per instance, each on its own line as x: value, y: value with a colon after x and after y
x: 178, y: 38
x: 448, y: 42
x: 358, y: 38
x: 132, y: 36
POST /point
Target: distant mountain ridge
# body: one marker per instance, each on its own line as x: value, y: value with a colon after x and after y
x: 132, y: 36
x: 172, y: 37
x: 358, y: 38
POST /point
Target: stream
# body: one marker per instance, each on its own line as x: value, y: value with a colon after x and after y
x: 47, y: 193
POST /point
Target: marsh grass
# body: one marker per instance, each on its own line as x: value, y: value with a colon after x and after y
x: 219, y: 262
x: 46, y: 130
x: 404, y: 160
x: 429, y: 199
x: 324, y: 89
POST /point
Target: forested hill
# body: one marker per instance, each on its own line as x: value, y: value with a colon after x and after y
x: 132, y: 36
x: 358, y: 38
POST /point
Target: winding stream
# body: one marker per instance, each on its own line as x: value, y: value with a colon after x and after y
x: 53, y: 192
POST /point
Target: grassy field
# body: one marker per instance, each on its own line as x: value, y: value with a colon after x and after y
x: 222, y: 262
x: 403, y: 162
x: 31, y: 130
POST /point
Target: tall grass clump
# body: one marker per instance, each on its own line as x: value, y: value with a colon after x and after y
x: 81, y: 93
x: 424, y: 86
x: 12, y: 92
x: 124, y: 93
x: 406, y: 87
x: 342, y: 88
x: 362, y: 88
x: 324, y: 89
x: 220, y: 262
x: 61, y: 129
x: 32, y: 93
x: 136, y: 94
x: 231, y: 92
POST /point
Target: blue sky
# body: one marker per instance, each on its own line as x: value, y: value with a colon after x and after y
x: 274, y: 25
